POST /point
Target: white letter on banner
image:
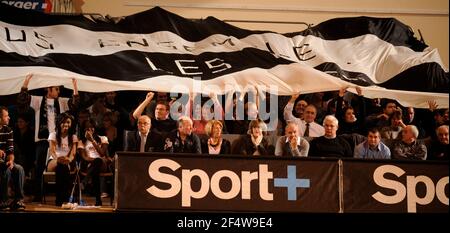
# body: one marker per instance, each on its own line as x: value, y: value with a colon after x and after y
x: 247, y: 178
x: 217, y: 63
x: 187, y: 192
x: 264, y: 176
x: 235, y: 184
x: 183, y: 68
x: 440, y: 190
x: 413, y: 199
x: 153, y: 171
x: 390, y: 184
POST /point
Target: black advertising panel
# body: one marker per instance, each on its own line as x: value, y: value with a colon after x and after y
x: 395, y: 186
x: 148, y: 181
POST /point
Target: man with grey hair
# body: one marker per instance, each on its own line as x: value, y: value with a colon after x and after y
x: 183, y: 140
x: 408, y: 147
x: 144, y: 139
x: 438, y: 149
x: 307, y: 126
x: 292, y: 144
x: 330, y: 145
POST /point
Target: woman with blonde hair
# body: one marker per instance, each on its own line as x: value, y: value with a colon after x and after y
x: 215, y: 144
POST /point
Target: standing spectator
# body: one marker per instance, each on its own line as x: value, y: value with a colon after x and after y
x: 330, y: 145
x: 183, y: 140
x: 201, y: 115
x: 381, y: 119
x: 46, y: 109
x: 438, y: 149
x: 299, y: 108
x: 9, y: 170
x: 308, y: 127
x: 63, y: 147
x: 393, y: 131
x: 215, y: 144
x: 372, y: 148
x: 161, y: 124
x: 151, y: 107
x: 349, y: 120
x: 83, y: 115
x: 121, y: 118
x: 408, y: 147
x: 292, y: 144
x: 410, y: 118
x: 98, y: 109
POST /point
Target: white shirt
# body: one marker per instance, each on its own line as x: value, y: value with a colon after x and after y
x: 90, y: 149
x: 64, y: 149
x: 51, y: 115
x: 315, y: 130
x: 143, y: 141
x: 35, y: 103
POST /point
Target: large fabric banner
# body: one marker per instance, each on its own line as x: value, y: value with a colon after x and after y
x: 225, y: 183
x: 160, y: 51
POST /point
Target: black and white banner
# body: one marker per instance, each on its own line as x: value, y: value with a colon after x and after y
x: 160, y: 51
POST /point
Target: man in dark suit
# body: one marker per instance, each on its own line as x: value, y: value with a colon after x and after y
x: 144, y: 139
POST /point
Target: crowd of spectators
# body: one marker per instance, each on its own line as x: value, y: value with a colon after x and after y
x: 53, y: 133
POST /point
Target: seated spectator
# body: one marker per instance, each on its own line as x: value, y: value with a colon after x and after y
x: 94, y: 151
x: 254, y: 142
x: 409, y: 147
x: 438, y: 149
x: 9, y: 170
x: 330, y: 145
x: 183, y: 140
x: 111, y: 132
x: 215, y: 144
x: 372, y: 148
x: 292, y: 145
x: 63, y: 144
x: 24, y: 147
x: 395, y: 128
x: 144, y: 139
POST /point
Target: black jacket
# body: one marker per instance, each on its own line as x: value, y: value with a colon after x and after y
x: 225, y: 148
x: 154, y: 142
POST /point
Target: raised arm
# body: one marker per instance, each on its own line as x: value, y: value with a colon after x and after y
x: 287, y: 113
x: 24, y: 97
x: 217, y: 106
x: 74, y: 103
x: 138, y: 112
